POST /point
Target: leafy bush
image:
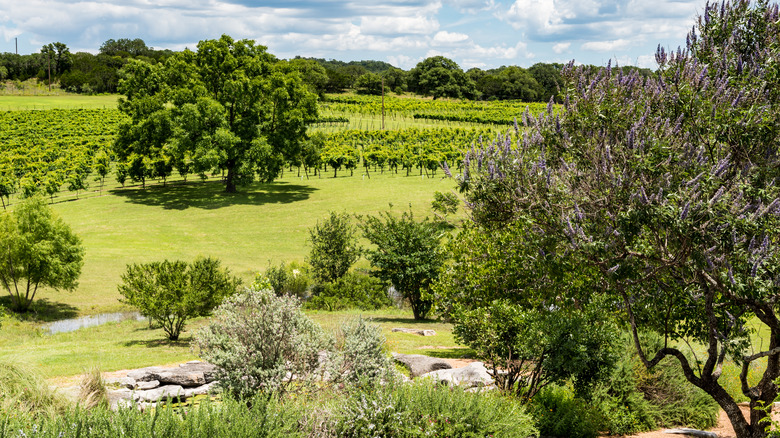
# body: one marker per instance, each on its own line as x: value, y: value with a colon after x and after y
x: 334, y: 247
x: 422, y: 409
x: 534, y: 348
x: 363, y: 356
x: 170, y: 293
x: 635, y: 399
x: 558, y: 413
x: 256, y: 339
x: 287, y: 279
x: 353, y: 290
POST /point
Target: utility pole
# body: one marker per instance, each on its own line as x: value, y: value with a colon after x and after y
x: 49, y: 52
x: 383, y: 104
x: 16, y: 42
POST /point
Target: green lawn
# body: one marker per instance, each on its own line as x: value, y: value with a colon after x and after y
x: 62, y: 101
x: 261, y: 224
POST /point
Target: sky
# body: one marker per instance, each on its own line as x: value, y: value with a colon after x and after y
x: 474, y: 33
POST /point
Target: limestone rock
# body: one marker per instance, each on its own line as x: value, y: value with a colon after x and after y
x: 201, y: 390
x: 419, y: 364
x: 416, y: 331
x: 161, y: 393
x: 145, y: 386
x: 144, y: 374
x: 473, y: 375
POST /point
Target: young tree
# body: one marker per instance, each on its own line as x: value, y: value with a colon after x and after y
x: 170, y: 293
x: 408, y: 254
x: 334, y: 247
x: 37, y: 249
x: 665, y: 187
x: 229, y: 106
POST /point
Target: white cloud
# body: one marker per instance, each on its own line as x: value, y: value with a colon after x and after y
x: 561, y: 47
x: 444, y: 37
x: 398, y: 25
x: 606, y: 46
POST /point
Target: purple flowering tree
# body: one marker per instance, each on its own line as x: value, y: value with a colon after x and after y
x: 667, y: 189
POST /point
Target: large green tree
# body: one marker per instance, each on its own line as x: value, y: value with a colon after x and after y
x: 37, y: 250
x: 438, y: 76
x: 664, y: 189
x: 229, y: 106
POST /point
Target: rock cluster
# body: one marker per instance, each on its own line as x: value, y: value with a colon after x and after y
x: 475, y: 375
x: 153, y: 384
x: 416, y: 331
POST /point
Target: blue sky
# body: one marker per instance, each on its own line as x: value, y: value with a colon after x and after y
x: 474, y: 33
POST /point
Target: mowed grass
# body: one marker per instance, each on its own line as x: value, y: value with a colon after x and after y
x: 61, y: 101
x: 262, y: 224
x: 132, y: 344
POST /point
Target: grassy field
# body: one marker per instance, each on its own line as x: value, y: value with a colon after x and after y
x: 132, y: 344
x: 61, y: 101
x: 261, y: 224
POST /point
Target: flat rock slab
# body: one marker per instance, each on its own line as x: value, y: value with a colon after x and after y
x: 419, y: 364
x: 473, y: 375
x: 692, y: 432
x: 189, y: 375
x: 167, y: 392
x: 416, y: 331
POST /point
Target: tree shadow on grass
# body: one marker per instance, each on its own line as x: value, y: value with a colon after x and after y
x: 183, y: 341
x: 407, y: 321
x: 447, y: 353
x: 210, y: 195
x: 42, y: 310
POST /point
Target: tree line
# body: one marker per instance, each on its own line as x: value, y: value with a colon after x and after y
x: 436, y: 76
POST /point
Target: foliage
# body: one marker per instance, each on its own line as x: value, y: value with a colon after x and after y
x: 527, y: 350
x: 286, y: 279
x: 408, y: 254
x: 261, y: 417
x: 334, y: 247
x: 37, y: 249
x: 170, y: 293
x: 25, y: 395
x: 444, y: 204
x: 438, y: 76
x: 665, y: 186
x: 558, y: 413
x: 421, y: 409
x: 353, y: 290
x: 635, y: 399
x: 228, y: 106
x: 256, y: 338
x: 362, y: 354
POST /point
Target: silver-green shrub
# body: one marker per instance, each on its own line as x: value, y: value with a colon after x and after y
x: 263, y: 342
x: 362, y: 356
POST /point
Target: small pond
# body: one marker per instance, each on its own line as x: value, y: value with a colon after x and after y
x: 69, y: 325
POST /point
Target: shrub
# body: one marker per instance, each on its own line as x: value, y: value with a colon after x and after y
x: 170, y: 293
x: 257, y: 339
x: 423, y: 409
x: 353, y: 290
x: 558, y: 413
x: 635, y: 399
x: 362, y: 354
x: 287, y: 279
x: 334, y: 247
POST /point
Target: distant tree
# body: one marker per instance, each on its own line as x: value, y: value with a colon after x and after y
x: 369, y: 83
x: 125, y: 47
x: 548, y: 76
x: 334, y: 247
x: 407, y: 254
x: 37, y: 249
x: 229, y: 106
x: 170, y: 293
x: 312, y: 73
x: 395, y: 79
x: 61, y: 57
x: 438, y: 76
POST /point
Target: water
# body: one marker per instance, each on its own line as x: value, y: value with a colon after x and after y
x: 69, y: 325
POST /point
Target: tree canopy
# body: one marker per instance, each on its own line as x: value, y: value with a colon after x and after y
x: 665, y: 187
x: 37, y: 249
x: 228, y: 107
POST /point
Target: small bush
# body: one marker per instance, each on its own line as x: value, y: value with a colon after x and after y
x: 170, y: 293
x: 334, y: 247
x: 362, y: 354
x: 355, y: 290
x: 287, y: 279
x: 423, y: 409
x: 258, y: 339
x: 558, y: 413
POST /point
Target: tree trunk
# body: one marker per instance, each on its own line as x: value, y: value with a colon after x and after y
x: 230, y: 181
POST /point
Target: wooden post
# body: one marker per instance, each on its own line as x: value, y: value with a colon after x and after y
x: 49, y: 52
x: 383, y: 104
